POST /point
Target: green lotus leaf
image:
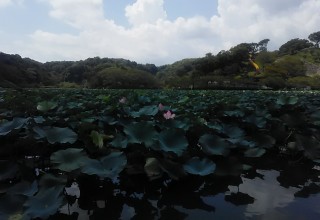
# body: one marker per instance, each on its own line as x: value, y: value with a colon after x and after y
x: 287, y: 100
x: 185, y: 125
x: 264, y: 140
x: 214, y: 145
x: 151, y: 110
x: 255, y: 152
x: 234, y: 113
x: 199, y: 166
x: 152, y: 168
x: 97, y: 138
x: 107, y: 167
x: 24, y: 188
x: 260, y: 122
x: 56, y: 134
x: 48, y: 181
x: 45, y: 203
x: 173, y: 140
x: 232, y: 131
x: 108, y: 119
x: 8, y: 170
x: 141, y: 132
x: 310, y: 146
x: 173, y: 169
x: 46, y: 106
x: 16, y: 123
x: 39, y: 119
x: 215, y: 126
x: 119, y: 141
x: 69, y: 159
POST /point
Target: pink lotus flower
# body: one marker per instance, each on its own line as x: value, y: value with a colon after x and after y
x: 169, y: 115
x: 123, y: 100
x: 161, y: 107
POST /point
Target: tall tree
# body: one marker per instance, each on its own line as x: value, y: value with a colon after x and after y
x: 315, y: 37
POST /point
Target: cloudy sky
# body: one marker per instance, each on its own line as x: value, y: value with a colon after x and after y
x: 148, y: 31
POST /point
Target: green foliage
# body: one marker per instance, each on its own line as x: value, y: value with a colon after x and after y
x: 173, y: 140
x: 294, y: 45
x: 199, y: 166
x: 315, y: 37
x: 56, y: 134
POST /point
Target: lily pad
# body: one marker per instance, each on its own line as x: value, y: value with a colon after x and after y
x: 151, y: 110
x: 107, y: 167
x: 16, y: 123
x: 141, y: 132
x: 45, y: 203
x: 173, y: 140
x: 199, y: 166
x: 56, y: 134
x: 214, y: 145
x: 24, y: 188
x: 287, y: 100
x: 152, y: 168
x: 46, y: 106
x: 255, y: 152
x: 97, y: 138
x: 69, y: 159
x: 119, y: 141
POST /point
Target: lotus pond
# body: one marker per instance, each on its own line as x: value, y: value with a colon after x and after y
x: 159, y: 154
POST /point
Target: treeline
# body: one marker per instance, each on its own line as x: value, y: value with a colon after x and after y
x: 295, y: 64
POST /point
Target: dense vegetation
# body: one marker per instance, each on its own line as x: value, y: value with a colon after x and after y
x: 295, y: 65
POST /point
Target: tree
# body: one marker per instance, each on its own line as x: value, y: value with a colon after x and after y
x: 315, y: 37
x: 294, y: 45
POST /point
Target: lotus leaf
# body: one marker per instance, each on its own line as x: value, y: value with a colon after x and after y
x: 151, y: 110
x: 214, y: 145
x: 173, y: 140
x: 107, y: 167
x: 287, y: 100
x: 264, y: 140
x: 56, y: 134
x: 24, y: 188
x: 141, y: 132
x: 255, y: 152
x: 97, y: 138
x: 199, y: 166
x: 69, y: 159
x: 152, y: 168
x: 46, y: 106
x: 185, y: 125
x: 310, y: 145
x: 232, y: 131
x: 10, y: 204
x: 48, y: 181
x: 260, y: 122
x: 173, y: 169
x: 16, y: 123
x: 45, y: 203
x: 119, y: 141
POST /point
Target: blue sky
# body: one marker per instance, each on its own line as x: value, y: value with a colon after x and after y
x: 148, y: 31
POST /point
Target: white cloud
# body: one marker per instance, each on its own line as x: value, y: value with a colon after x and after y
x: 155, y: 39
x: 145, y: 11
x: 5, y: 3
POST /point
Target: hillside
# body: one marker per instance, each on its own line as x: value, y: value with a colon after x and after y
x: 248, y: 65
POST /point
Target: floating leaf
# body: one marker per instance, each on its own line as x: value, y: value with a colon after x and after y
x: 287, y: 100
x: 260, y: 122
x: 254, y: 152
x: 232, y: 131
x: 69, y: 159
x: 199, y: 166
x: 173, y: 169
x: 56, y: 135
x: 264, y: 140
x: 45, y: 203
x: 152, y: 168
x: 151, y: 110
x: 10, y: 204
x: 310, y: 145
x: 24, y: 188
x: 119, y: 141
x: 16, y: 123
x: 173, y: 140
x: 97, y: 138
x: 48, y: 181
x: 214, y: 145
x: 141, y: 132
x: 46, y: 106
x: 107, y: 167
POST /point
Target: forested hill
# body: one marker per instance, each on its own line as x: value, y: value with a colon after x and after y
x: 296, y: 64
